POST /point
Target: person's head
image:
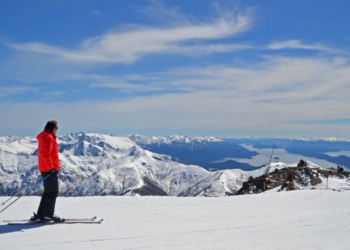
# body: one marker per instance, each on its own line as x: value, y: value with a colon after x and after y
x: 52, y: 126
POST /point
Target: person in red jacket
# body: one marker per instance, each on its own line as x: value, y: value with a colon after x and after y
x: 49, y: 166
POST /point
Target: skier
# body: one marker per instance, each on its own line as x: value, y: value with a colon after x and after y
x: 49, y: 164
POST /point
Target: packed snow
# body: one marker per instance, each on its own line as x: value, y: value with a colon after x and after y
x: 308, y: 219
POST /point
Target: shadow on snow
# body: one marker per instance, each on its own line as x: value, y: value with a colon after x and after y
x: 4, y: 229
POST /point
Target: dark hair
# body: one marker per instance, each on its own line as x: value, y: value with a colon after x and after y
x: 51, y: 125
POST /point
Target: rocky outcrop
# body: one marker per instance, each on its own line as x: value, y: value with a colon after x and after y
x: 290, y: 178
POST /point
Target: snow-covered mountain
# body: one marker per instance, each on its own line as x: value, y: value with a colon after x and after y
x: 97, y: 164
x: 93, y: 164
x: 145, y: 140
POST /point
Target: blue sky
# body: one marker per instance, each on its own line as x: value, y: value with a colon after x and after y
x: 223, y: 68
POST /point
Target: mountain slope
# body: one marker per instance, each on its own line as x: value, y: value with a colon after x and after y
x: 93, y: 164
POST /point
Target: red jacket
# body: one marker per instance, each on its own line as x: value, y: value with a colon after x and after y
x: 47, y: 152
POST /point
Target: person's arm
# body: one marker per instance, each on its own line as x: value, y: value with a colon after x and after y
x: 46, y: 151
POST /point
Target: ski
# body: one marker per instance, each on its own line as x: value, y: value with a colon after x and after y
x: 71, y: 219
x: 53, y: 223
x: 80, y: 222
x: 82, y: 219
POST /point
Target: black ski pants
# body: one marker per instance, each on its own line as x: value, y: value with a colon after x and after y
x: 48, y: 199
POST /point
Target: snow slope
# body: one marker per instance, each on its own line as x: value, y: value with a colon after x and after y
x: 95, y: 164
x: 311, y: 219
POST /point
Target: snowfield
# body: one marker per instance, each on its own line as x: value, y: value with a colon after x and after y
x: 306, y: 219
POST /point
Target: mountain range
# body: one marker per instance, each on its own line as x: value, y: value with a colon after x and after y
x: 98, y: 164
x: 215, y: 153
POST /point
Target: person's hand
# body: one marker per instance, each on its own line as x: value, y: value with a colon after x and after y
x: 53, y: 172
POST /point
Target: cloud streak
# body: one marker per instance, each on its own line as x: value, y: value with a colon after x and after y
x: 14, y: 90
x: 129, y: 46
x: 264, y: 96
x: 297, y: 44
x: 293, y: 77
x: 275, y: 79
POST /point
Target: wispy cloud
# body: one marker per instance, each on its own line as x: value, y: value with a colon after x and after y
x: 277, y: 78
x: 296, y: 77
x: 19, y: 90
x: 14, y: 90
x: 297, y: 44
x: 96, y: 13
x: 127, y: 83
x: 270, y: 94
x: 129, y: 46
x: 261, y: 86
x: 277, y: 94
x: 158, y: 11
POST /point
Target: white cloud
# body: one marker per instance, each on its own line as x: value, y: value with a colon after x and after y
x: 128, y: 83
x: 209, y: 49
x: 158, y: 11
x: 282, y: 77
x: 275, y: 79
x: 268, y: 94
x: 124, y: 86
x: 297, y: 44
x: 265, y: 96
x: 128, y: 46
x: 96, y: 13
x: 193, y: 111
x: 14, y: 90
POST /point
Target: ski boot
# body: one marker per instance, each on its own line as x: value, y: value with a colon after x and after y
x: 54, y: 218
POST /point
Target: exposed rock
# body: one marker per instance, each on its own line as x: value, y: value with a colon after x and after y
x: 287, y: 178
x: 149, y: 188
